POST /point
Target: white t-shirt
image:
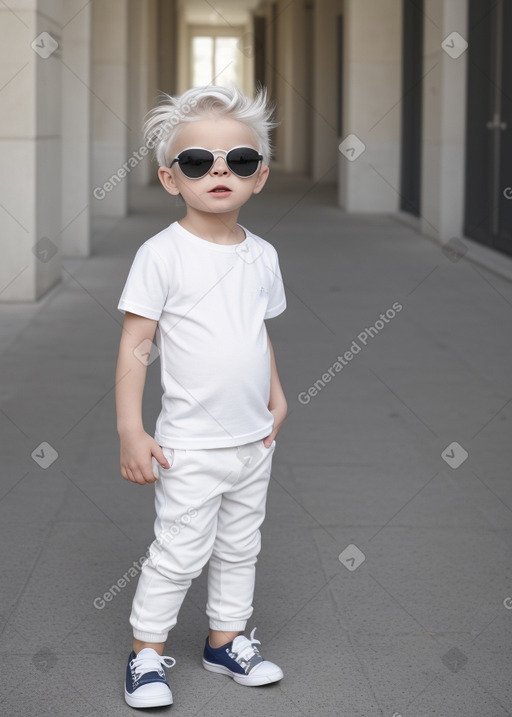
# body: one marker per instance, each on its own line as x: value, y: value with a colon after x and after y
x: 210, y: 301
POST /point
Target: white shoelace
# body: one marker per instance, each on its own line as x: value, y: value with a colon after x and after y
x: 141, y: 664
x: 247, y: 647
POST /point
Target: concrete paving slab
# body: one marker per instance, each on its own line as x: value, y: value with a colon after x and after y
x: 422, y: 626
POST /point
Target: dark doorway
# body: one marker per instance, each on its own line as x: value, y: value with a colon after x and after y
x: 260, y: 59
x: 488, y: 190
x: 412, y: 88
x: 339, y: 74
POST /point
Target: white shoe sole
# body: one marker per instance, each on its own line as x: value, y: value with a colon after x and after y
x: 157, y: 701
x: 247, y: 680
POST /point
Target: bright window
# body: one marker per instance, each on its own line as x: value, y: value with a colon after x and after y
x: 216, y: 60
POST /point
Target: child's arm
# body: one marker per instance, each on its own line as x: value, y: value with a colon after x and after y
x: 137, y: 446
x: 277, y: 405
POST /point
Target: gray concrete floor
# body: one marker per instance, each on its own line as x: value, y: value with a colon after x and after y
x: 422, y: 625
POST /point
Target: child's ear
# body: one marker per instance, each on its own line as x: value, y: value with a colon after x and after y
x: 165, y: 175
x: 262, y: 178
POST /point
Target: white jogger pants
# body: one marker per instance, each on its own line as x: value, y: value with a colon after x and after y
x: 210, y: 504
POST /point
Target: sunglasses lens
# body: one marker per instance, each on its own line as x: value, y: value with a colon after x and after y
x: 243, y: 161
x: 195, y: 163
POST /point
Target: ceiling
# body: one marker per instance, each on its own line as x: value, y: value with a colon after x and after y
x: 218, y: 12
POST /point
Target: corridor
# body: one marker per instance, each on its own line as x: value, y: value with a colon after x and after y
x: 384, y: 586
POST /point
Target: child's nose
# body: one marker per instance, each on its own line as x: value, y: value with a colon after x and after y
x: 219, y: 169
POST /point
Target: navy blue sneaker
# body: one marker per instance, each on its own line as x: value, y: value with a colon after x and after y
x: 241, y: 660
x: 145, y: 684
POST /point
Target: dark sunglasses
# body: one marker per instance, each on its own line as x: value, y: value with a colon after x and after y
x: 196, y: 162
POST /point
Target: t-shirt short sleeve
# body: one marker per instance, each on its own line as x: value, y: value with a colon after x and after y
x: 277, y: 297
x: 146, y: 288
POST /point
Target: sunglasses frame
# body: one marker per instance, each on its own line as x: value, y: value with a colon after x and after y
x: 216, y: 153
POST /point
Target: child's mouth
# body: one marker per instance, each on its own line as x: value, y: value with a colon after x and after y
x: 220, y: 190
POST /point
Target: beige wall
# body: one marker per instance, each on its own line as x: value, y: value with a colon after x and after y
x: 143, y: 88
x: 76, y: 128
x: 30, y: 152
x: 291, y: 93
x: 372, y: 109
x: 110, y: 102
x: 248, y: 59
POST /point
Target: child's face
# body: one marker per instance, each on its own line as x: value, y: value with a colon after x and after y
x: 216, y: 133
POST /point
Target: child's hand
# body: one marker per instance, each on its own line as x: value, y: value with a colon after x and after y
x: 279, y: 412
x: 137, y: 449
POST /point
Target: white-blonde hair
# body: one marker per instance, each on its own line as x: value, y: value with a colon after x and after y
x: 164, y: 121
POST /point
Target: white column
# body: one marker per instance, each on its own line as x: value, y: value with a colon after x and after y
x: 30, y: 159
x: 291, y: 135
x: 247, y: 57
x: 76, y: 128
x: 444, y: 119
x: 372, y: 88
x: 110, y: 108
x: 142, y: 94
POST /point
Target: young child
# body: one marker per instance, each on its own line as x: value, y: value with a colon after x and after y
x: 205, y: 285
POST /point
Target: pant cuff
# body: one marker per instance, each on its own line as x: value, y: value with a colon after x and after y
x: 236, y: 626
x: 150, y: 636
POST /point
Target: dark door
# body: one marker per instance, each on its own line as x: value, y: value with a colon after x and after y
x: 488, y: 191
x: 412, y: 70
